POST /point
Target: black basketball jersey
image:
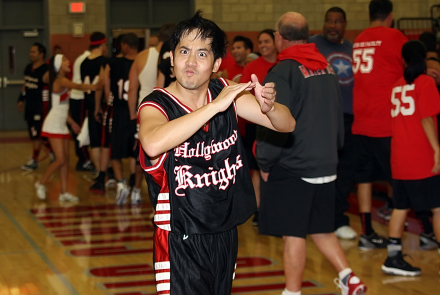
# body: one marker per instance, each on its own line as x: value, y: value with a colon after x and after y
x: 203, y: 185
x: 119, y: 71
x: 90, y: 69
x: 33, y: 79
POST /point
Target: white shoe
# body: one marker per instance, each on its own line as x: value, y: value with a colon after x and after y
x: 41, y: 190
x: 122, y: 192
x: 136, y: 196
x: 68, y: 197
x: 345, y: 232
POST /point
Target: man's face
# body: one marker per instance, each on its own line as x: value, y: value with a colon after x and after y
x: 34, y: 54
x: 239, y: 52
x: 334, y: 27
x: 193, y: 61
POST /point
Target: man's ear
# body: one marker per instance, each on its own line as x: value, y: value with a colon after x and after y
x: 172, y: 58
x: 217, y: 64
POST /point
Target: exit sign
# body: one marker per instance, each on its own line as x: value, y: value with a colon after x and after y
x: 77, y: 7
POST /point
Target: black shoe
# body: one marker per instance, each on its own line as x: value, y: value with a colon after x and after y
x: 398, y: 266
x: 86, y: 166
x: 98, y: 188
x: 373, y: 241
x: 255, y: 220
x: 427, y: 242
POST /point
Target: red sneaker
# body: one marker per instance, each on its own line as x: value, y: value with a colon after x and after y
x: 354, y: 285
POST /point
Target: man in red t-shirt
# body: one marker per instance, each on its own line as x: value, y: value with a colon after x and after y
x: 377, y: 65
x: 241, y: 47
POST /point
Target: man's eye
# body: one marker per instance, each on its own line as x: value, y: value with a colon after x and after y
x: 203, y: 54
x: 184, y: 51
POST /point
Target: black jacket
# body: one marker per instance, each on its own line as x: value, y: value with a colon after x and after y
x: 315, y: 102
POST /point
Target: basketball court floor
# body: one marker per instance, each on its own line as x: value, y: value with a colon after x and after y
x: 96, y: 248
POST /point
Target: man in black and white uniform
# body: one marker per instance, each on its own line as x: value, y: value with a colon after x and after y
x: 31, y: 100
x: 195, y: 164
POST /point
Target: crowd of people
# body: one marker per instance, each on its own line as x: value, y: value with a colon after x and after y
x: 312, y: 118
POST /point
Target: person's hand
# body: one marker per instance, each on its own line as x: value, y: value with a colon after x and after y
x: 265, y: 94
x: 434, y: 74
x: 75, y: 127
x: 98, y: 115
x: 436, y: 167
x: 20, y: 106
x: 264, y: 175
x: 228, y: 95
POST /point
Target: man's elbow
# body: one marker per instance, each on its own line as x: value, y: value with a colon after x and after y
x: 151, y: 149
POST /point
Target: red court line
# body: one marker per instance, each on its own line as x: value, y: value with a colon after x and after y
x: 110, y: 207
x: 103, y: 231
x: 14, y: 140
x: 93, y: 222
x: 92, y: 214
x: 125, y: 239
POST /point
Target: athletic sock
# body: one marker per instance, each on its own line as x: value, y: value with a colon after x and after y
x: 367, y: 228
x: 343, y: 275
x: 110, y: 172
x: 424, y: 222
x: 35, y: 154
x: 287, y: 292
x: 101, y: 176
x: 394, y: 246
x: 390, y: 203
x: 132, y: 180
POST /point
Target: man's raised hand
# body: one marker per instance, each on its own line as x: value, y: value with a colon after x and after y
x: 265, y: 94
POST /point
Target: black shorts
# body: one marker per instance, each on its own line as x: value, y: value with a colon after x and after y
x: 123, y: 142
x: 198, y: 264
x: 35, y: 124
x: 293, y: 207
x: 372, y: 158
x: 107, y: 124
x: 420, y: 194
x: 95, y: 129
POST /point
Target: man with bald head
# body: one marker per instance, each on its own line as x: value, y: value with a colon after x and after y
x: 299, y: 168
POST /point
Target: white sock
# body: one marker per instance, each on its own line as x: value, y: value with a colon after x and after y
x: 345, y: 272
x: 287, y: 292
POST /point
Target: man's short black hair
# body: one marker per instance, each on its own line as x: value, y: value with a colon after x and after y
x: 131, y: 40
x: 41, y: 48
x: 166, y: 31
x: 206, y: 29
x: 246, y: 41
x: 380, y: 9
x: 429, y: 40
x: 337, y: 10
x: 293, y: 33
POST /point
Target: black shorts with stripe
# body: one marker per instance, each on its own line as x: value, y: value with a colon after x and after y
x: 198, y: 264
x: 123, y: 141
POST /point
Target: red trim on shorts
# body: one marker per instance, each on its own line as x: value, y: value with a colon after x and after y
x: 53, y: 135
x: 161, y: 257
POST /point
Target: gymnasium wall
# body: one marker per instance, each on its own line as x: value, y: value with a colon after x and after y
x: 245, y: 17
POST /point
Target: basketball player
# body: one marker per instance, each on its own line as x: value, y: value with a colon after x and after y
x: 377, y: 62
x: 415, y: 153
x: 78, y: 113
x: 142, y: 80
x: 195, y: 164
x: 31, y: 100
x: 123, y: 142
x: 92, y: 68
x: 339, y: 51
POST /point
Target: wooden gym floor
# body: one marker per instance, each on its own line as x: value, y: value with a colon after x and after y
x: 95, y: 247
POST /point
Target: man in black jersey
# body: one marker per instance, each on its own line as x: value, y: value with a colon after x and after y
x: 123, y: 142
x: 195, y: 164
x: 31, y: 100
x: 92, y: 68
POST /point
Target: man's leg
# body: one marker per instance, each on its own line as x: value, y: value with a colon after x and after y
x: 294, y: 258
x: 330, y: 247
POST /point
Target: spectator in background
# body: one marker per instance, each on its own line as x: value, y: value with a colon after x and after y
x: 241, y: 47
x: 338, y: 51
